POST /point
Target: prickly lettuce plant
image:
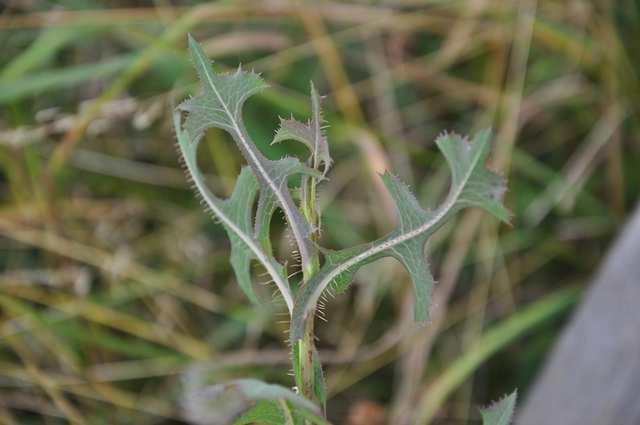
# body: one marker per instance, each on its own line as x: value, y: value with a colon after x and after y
x: 263, y: 184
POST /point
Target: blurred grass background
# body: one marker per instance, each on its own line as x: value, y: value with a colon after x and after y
x: 113, y: 281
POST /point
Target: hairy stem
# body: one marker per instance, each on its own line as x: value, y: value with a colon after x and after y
x: 306, y: 354
x: 306, y: 361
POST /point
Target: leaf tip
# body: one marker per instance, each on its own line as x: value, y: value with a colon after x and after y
x: 193, y: 43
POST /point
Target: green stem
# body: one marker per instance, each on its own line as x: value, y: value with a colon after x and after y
x: 306, y: 361
x: 307, y: 367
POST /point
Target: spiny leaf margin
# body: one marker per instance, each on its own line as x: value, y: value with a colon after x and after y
x: 500, y: 412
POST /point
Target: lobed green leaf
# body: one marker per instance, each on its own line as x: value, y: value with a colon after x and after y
x: 235, y: 215
x: 220, y: 105
x: 472, y: 185
x: 311, y: 134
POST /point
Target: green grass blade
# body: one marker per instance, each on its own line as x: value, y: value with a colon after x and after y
x: 36, y: 84
x: 490, y: 343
